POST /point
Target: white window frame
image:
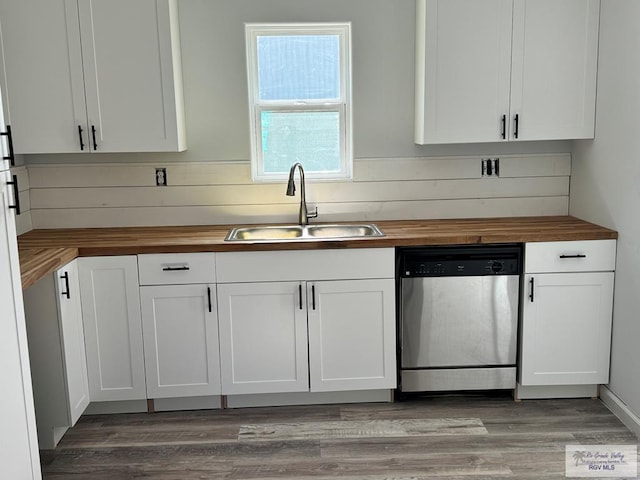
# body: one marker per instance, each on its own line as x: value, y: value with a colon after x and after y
x: 341, y: 105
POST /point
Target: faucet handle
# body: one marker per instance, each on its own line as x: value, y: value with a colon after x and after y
x: 313, y: 214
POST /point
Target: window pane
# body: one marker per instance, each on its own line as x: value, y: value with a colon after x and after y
x: 312, y: 138
x: 299, y: 67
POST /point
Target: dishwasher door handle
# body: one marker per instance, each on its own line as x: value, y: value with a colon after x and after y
x: 531, y: 289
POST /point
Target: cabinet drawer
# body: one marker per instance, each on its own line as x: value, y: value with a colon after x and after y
x: 579, y: 256
x: 297, y: 265
x: 177, y: 268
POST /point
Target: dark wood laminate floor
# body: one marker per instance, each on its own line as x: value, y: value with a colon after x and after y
x: 428, y: 438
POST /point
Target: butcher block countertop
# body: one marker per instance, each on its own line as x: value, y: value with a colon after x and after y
x: 43, y: 251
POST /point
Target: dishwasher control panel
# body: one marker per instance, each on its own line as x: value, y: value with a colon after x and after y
x: 460, y: 261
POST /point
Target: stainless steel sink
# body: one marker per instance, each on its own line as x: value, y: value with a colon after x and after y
x: 344, y: 231
x: 283, y: 233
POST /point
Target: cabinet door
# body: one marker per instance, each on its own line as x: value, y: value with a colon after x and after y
x: 566, y: 328
x: 554, y: 67
x: 57, y: 353
x: 19, y: 453
x: 72, y: 339
x: 263, y: 337
x: 131, y: 66
x: 352, y: 335
x: 42, y: 85
x: 113, y: 327
x: 180, y: 340
x: 463, y: 58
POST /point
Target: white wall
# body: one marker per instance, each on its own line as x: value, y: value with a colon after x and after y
x: 214, y: 71
x: 605, y: 184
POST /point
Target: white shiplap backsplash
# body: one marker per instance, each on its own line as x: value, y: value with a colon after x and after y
x: 121, y: 194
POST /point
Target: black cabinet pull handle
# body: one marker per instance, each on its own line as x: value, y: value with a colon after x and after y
x: 517, y: 125
x: 16, y: 195
x: 531, y: 289
x: 11, y: 157
x: 504, y: 127
x: 176, y: 269
x: 67, y: 293
x: 300, y: 295
x: 80, y: 137
x: 209, y: 297
x: 573, y: 256
x: 313, y: 297
x: 93, y: 135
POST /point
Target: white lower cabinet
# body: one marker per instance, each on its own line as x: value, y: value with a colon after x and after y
x: 180, y: 329
x: 567, y: 314
x: 288, y: 333
x: 352, y: 335
x: 263, y: 337
x: 566, y: 332
x: 109, y: 291
x: 57, y: 352
x: 180, y: 324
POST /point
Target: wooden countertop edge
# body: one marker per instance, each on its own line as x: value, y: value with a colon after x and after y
x: 36, y: 263
x: 37, y: 260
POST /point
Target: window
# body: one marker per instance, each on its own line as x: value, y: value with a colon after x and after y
x: 300, y: 99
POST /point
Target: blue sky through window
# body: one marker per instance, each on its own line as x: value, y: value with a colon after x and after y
x: 298, y: 67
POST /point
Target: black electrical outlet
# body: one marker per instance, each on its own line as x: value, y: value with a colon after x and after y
x: 490, y: 167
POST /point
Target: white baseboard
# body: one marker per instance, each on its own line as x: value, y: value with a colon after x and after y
x: 120, y: 406
x: 529, y: 392
x: 308, y: 398
x: 187, y: 403
x: 620, y: 410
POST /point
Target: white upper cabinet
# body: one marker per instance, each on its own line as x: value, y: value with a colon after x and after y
x: 92, y: 75
x: 463, y: 67
x: 505, y: 70
x: 554, y: 68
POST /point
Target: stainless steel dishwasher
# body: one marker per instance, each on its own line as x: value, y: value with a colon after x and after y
x: 458, y: 317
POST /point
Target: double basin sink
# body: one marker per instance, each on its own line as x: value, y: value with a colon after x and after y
x: 285, y: 233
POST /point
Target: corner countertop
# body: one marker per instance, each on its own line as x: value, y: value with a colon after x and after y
x: 43, y: 251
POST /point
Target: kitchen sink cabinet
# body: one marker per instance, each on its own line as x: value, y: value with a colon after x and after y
x: 57, y: 353
x: 567, y: 313
x: 505, y: 70
x: 314, y: 321
x: 92, y: 75
x: 351, y: 335
x: 109, y: 293
x: 180, y: 325
x: 263, y: 338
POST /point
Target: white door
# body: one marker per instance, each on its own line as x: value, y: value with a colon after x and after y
x: 72, y: 339
x: 129, y: 75
x: 19, y: 456
x: 566, y: 328
x: 554, y: 67
x: 352, y: 341
x: 463, y: 59
x: 180, y: 329
x: 113, y: 327
x: 263, y: 337
x: 42, y: 82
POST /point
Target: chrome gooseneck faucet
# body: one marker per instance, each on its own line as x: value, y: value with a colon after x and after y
x: 304, y: 216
